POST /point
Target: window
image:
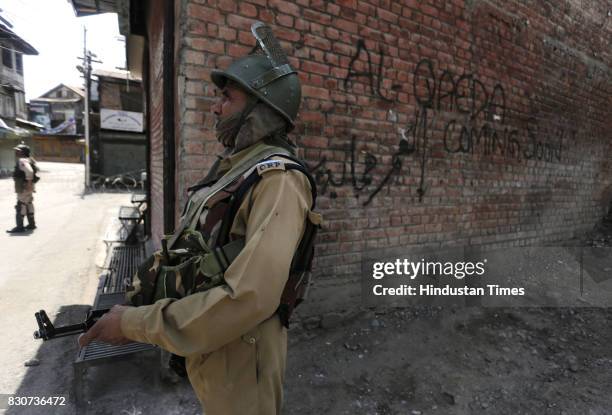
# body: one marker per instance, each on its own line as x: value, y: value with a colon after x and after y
x: 20, y: 106
x: 7, y: 106
x: 19, y: 63
x: 7, y: 57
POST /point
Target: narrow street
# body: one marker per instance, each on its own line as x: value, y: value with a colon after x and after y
x: 54, y: 268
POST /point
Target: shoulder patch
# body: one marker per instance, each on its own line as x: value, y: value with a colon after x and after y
x: 269, y: 165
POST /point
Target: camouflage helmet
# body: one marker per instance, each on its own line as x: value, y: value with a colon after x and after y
x: 267, y: 75
x: 23, y: 149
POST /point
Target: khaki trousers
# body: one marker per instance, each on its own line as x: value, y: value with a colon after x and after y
x: 244, y: 377
x: 25, y: 204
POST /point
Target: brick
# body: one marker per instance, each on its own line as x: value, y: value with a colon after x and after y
x: 333, y: 9
x: 316, y: 80
x: 266, y: 16
x: 317, y: 55
x: 366, y: 8
x: 286, y: 34
x: 194, y: 57
x: 208, y: 45
x: 314, y: 67
x: 317, y: 16
x: 345, y: 25
x: 332, y: 59
x: 195, y: 88
x: 212, y: 30
x: 319, y: 5
x: 207, y: 14
x: 429, y: 10
x: 317, y: 29
x: 197, y: 28
x: 285, y: 7
x: 246, y: 38
x: 227, y: 5
x: 239, y: 22
x: 314, y: 92
x: 247, y: 10
x: 301, y: 24
x: 314, y: 142
x: 227, y: 33
x: 237, y: 51
x: 344, y: 49
x: 387, y: 16
x: 317, y: 42
x: 284, y: 20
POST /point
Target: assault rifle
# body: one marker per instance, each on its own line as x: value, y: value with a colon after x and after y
x: 46, y: 329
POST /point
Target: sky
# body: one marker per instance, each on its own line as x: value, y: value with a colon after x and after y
x: 53, y: 29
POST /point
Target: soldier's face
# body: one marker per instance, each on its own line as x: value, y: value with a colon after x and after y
x: 230, y: 101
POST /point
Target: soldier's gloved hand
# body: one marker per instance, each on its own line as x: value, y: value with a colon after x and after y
x: 107, y: 329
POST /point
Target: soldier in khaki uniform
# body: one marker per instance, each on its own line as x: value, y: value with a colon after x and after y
x: 24, y: 176
x: 231, y: 334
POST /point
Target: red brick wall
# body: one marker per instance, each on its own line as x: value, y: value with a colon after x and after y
x: 440, y: 122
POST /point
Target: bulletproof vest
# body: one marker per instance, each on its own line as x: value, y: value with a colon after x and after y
x: 19, y: 176
x: 196, y: 256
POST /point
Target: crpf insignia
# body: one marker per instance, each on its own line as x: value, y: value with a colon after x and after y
x: 269, y: 165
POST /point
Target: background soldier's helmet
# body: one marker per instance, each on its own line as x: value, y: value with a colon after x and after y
x: 23, y: 149
x: 266, y: 73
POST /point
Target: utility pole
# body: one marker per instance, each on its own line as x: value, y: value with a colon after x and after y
x: 86, y: 70
x: 87, y: 63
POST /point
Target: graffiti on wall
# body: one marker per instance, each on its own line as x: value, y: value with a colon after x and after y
x: 374, y: 75
x: 473, y: 118
x: 325, y: 178
x: 478, y: 115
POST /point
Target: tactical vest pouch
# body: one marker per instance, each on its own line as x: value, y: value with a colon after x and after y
x: 179, y: 272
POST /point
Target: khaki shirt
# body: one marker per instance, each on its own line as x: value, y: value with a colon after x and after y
x: 26, y: 167
x: 21, y: 185
x: 271, y: 218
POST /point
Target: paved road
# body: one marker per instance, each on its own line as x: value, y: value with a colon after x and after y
x: 54, y: 265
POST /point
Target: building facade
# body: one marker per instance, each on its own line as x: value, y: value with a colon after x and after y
x: 442, y: 123
x: 60, y: 110
x: 12, y: 93
x: 117, y: 135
